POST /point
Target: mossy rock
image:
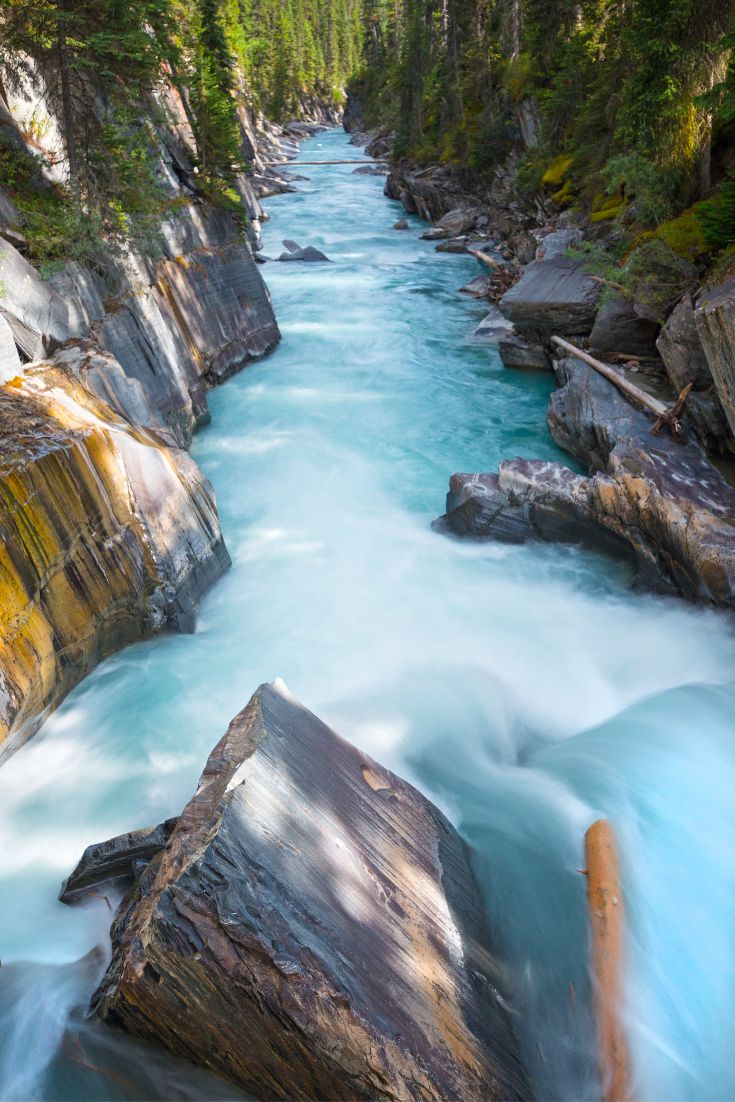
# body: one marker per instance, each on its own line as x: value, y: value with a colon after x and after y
x: 565, y: 195
x: 557, y: 171
x: 609, y: 214
x: 684, y: 235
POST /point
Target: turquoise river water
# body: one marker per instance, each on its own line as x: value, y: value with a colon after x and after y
x: 527, y: 690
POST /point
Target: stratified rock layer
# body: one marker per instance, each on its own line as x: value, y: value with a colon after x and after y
x: 660, y: 504
x: 554, y: 296
x: 313, y: 930
x: 107, y: 535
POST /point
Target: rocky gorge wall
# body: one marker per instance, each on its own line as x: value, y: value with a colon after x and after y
x: 110, y: 531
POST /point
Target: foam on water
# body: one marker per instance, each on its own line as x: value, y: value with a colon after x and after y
x: 526, y: 689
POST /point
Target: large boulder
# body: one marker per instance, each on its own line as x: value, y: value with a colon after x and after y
x: 618, y: 329
x: 715, y: 317
x: 554, y: 296
x: 312, y: 929
x: 680, y: 347
x: 655, y: 502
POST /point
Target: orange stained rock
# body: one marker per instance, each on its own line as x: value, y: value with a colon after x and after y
x: 607, y: 922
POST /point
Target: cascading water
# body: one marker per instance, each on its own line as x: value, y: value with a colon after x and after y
x: 527, y: 690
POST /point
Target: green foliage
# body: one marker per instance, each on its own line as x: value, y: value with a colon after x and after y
x: 652, y: 189
x: 717, y: 217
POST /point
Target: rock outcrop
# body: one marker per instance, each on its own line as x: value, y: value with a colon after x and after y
x: 657, y: 503
x: 313, y: 930
x: 715, y: 317
x: 555, y: 296
x: 108, y: 535
x: 680, y: 347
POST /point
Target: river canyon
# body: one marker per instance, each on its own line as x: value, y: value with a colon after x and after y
x: 526, y: 690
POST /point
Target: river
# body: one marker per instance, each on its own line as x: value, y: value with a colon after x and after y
x: 527, y: 690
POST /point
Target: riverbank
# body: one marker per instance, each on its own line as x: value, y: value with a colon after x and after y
x: 665, y: 506
x: 520, y: 688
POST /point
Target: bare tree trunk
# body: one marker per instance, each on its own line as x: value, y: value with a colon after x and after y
x: 67, y: 109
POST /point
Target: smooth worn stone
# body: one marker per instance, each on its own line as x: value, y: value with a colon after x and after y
x: 115, y: 863
x: 9, y: 358
x: 618, y: 329
x: 455, y: 245
x: 296, y: 252
x: 552, y: 297
x: 657, y: 503
x: 107, y: 537
x: 313, y: 930
x: 493, y: 327
x: 520, y: 355
x: 401, y: 224
x: 479, y: 287
x: 37, y: 316
x: 456, y: 223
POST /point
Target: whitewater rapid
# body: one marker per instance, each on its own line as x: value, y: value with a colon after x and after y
x: 526, y: 689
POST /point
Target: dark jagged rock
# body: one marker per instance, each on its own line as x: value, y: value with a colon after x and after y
x: 296, y: 252
x: 116, y: 862
x: 618, y: 329
x: 313, y: 929
x: 658, y: 503
x: 353, y: 119
x: 715, y: 317
x: 552, y: 297
x: 681, y: 350
x: 520, y: 355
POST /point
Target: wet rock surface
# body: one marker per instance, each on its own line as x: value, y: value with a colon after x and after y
x: 116, y: 863
x: 313, y: 930
x: 657, y: 503
x: 108, y: 535
x: 553, y: 296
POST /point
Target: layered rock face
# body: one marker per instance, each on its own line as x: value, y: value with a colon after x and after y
x: 108, y: 535
x: 658, y: 503
x: 312, y: 929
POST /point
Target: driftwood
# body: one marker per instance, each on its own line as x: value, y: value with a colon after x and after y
x: 670, y: 416
x: 298, y: 164
x: 485, y: 259
x: 607, y: 921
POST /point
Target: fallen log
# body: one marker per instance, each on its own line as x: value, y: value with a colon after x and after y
x: 670, y: 416
x: 607, y: 921
x: 485, y: 259
x: 298, y: 164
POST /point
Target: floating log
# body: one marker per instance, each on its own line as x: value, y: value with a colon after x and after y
x: 299, y: 164
x: 670, y: 416
x: 607, y: 921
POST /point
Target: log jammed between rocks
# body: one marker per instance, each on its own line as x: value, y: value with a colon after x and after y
x: 312, y: 929
x: 665, y: 415
x: 660, y: 505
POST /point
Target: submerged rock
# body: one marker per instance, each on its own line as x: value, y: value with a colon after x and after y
x: 107, y: 536
x: 401, y: 224
x: 296, y: 252
x: 552, y: 297
x: 655, y: 502
x: 312, y: 929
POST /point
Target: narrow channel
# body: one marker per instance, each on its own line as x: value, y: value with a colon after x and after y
x: 526, y: 689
